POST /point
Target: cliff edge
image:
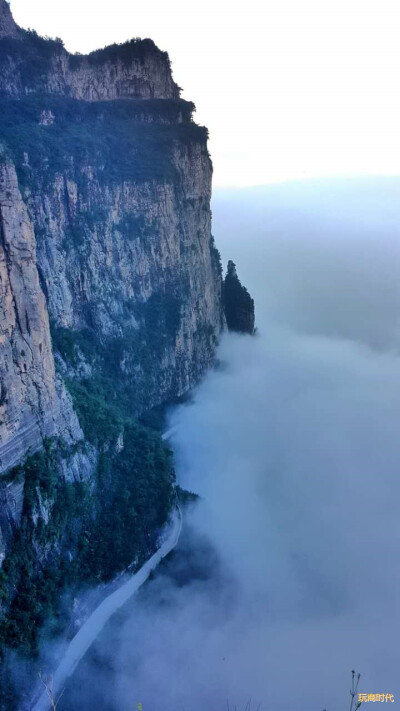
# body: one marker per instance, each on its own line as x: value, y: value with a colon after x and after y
x: 30, y: 63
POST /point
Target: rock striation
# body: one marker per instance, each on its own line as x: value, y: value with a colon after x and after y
x: 33, y: 403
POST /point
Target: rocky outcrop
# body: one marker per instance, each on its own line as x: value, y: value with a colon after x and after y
x: 238, y: 304
x: 29, y: 63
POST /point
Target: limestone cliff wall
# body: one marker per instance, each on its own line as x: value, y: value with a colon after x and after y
x: 33, y: 404
x: 107, y: 265
x: 151, y: 238
x: 87, y: 242
x: 79, y: 78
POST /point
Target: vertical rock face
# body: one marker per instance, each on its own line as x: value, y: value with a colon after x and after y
x: 150, y: 243
x: 31, y: 404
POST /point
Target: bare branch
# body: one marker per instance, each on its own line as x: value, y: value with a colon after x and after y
x: 48, y: 687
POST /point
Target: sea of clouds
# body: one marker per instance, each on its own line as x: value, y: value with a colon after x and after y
x: 293, y: 445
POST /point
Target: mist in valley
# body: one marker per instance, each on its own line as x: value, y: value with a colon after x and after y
x: 287, y: 575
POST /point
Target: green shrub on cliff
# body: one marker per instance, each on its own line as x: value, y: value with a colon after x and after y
x: 135, y: 494
x: 215, y: 255
x: 108, y: 524
x: 125, y: 52
x: 30, y: 585
x: 108, y: 136
x: 33, y: 55
x: 107, y: 527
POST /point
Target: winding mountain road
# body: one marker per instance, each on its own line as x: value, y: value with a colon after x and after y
x: 97, y: 620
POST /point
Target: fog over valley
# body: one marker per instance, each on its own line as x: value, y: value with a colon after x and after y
x: 286, y: 577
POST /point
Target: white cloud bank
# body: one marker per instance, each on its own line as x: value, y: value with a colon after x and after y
x: 293, y: 444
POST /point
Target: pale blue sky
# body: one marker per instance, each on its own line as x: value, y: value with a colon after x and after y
x: 288, y: 88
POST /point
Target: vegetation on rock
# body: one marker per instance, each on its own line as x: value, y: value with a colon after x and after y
x: 113, y: 137
x: 75, y: 533
x: 126, y: 52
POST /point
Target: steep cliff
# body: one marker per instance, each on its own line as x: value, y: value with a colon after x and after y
x: 105, y: 229
x: 119, y: 196
x: 110, y: 304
